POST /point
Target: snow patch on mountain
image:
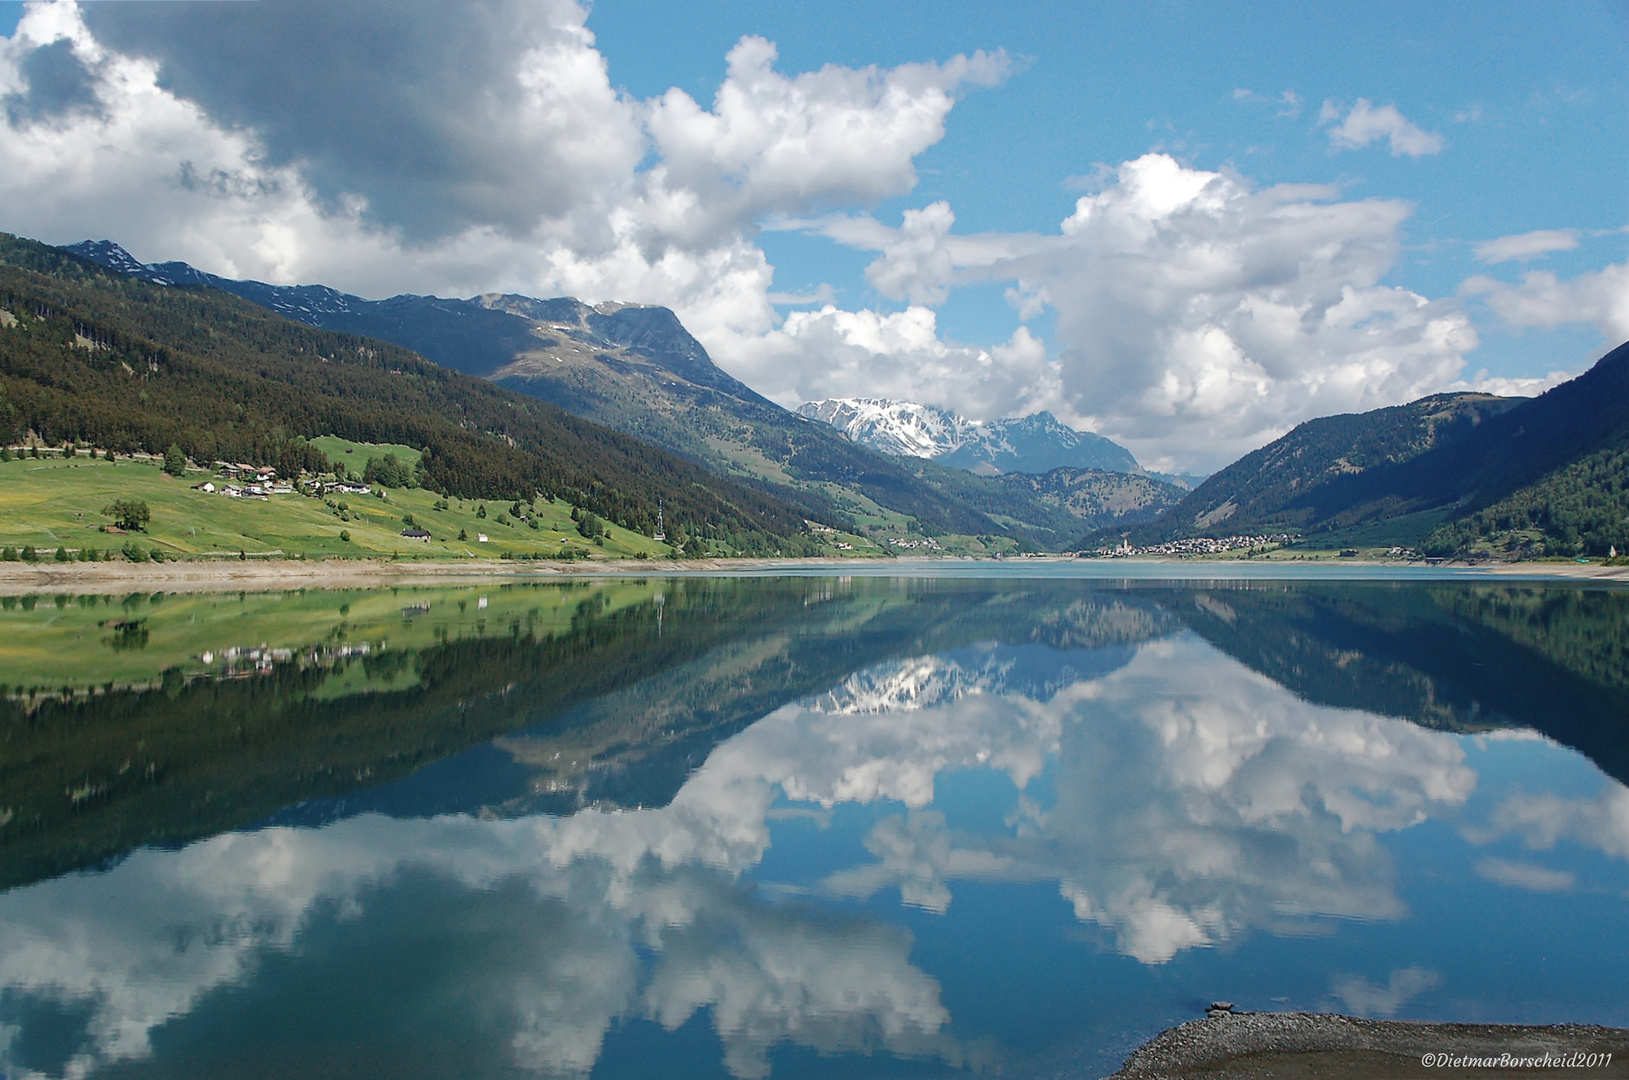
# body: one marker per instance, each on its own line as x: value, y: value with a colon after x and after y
x: 303, y: 303
x: 893, y: 427
x: 1029, y: 444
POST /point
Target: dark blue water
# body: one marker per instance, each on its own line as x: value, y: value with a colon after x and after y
x: 888, y: 828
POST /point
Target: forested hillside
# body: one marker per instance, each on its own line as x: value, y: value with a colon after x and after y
x: 1283, y: 487
x: 1098, y: 498
x: 1580, y: 509
x: 92, y: 356
x: 1456, y: 474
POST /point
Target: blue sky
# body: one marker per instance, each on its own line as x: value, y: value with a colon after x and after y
x: 1428, y: 131
x: 1533, y: 100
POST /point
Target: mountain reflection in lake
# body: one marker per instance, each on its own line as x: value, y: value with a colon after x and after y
x: 798, y: 827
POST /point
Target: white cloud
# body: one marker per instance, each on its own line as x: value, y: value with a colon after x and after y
x: 1364, y: 998
x: 1512, y: 385
x: 1286, y: 106
x: 837, y: 136
x: 436, y: 120
x: 1028, y: 298
x: 1598, y: 297
x: 1541, y: 821
x: 1525, y: 246
x: 1197, y: 317
x: 820, y: 294
x: 1525, y: 875
x: 836, y: 353
x: 246, y: 139
x: 1365, y: 124
x: 915, y: 262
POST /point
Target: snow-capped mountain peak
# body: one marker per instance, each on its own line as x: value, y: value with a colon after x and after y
x: 1032, y: 444
x: 894, y: 427
x: 107, y: 253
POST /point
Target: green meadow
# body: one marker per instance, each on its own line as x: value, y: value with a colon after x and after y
x: 53, y: 502
x: 352, y: 456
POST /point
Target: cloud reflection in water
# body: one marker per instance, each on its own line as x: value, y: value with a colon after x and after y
x: 1189, y: 801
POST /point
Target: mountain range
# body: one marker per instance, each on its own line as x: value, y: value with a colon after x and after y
x: 1030, y: 444
x: 1452, y: 473
x: 635, y: 369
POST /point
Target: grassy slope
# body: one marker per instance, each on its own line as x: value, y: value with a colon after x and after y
x: 58, y: 503
x: 354, y: 456
x: 637, y: 370
x: 1097, y: 499
x: 1544, y: 478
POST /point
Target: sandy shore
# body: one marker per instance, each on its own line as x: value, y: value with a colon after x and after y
x: 1566, y: 570
x: 232, y: 575
x: 1292, y: 1046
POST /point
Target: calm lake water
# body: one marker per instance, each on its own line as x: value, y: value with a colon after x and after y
x: 797, y: 826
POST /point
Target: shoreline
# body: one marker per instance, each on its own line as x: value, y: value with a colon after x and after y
x: 1229, y: 1045
x: 264, y: 575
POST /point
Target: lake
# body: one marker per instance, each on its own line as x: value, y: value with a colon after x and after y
x: 798, y: 826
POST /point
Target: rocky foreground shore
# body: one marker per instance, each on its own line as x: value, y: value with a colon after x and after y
x: 1229, y: 1045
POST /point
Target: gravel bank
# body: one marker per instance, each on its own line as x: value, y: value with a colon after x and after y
x: 1293, y: 1046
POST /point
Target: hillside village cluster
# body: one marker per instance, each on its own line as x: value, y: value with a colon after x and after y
x: 261, y: 482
